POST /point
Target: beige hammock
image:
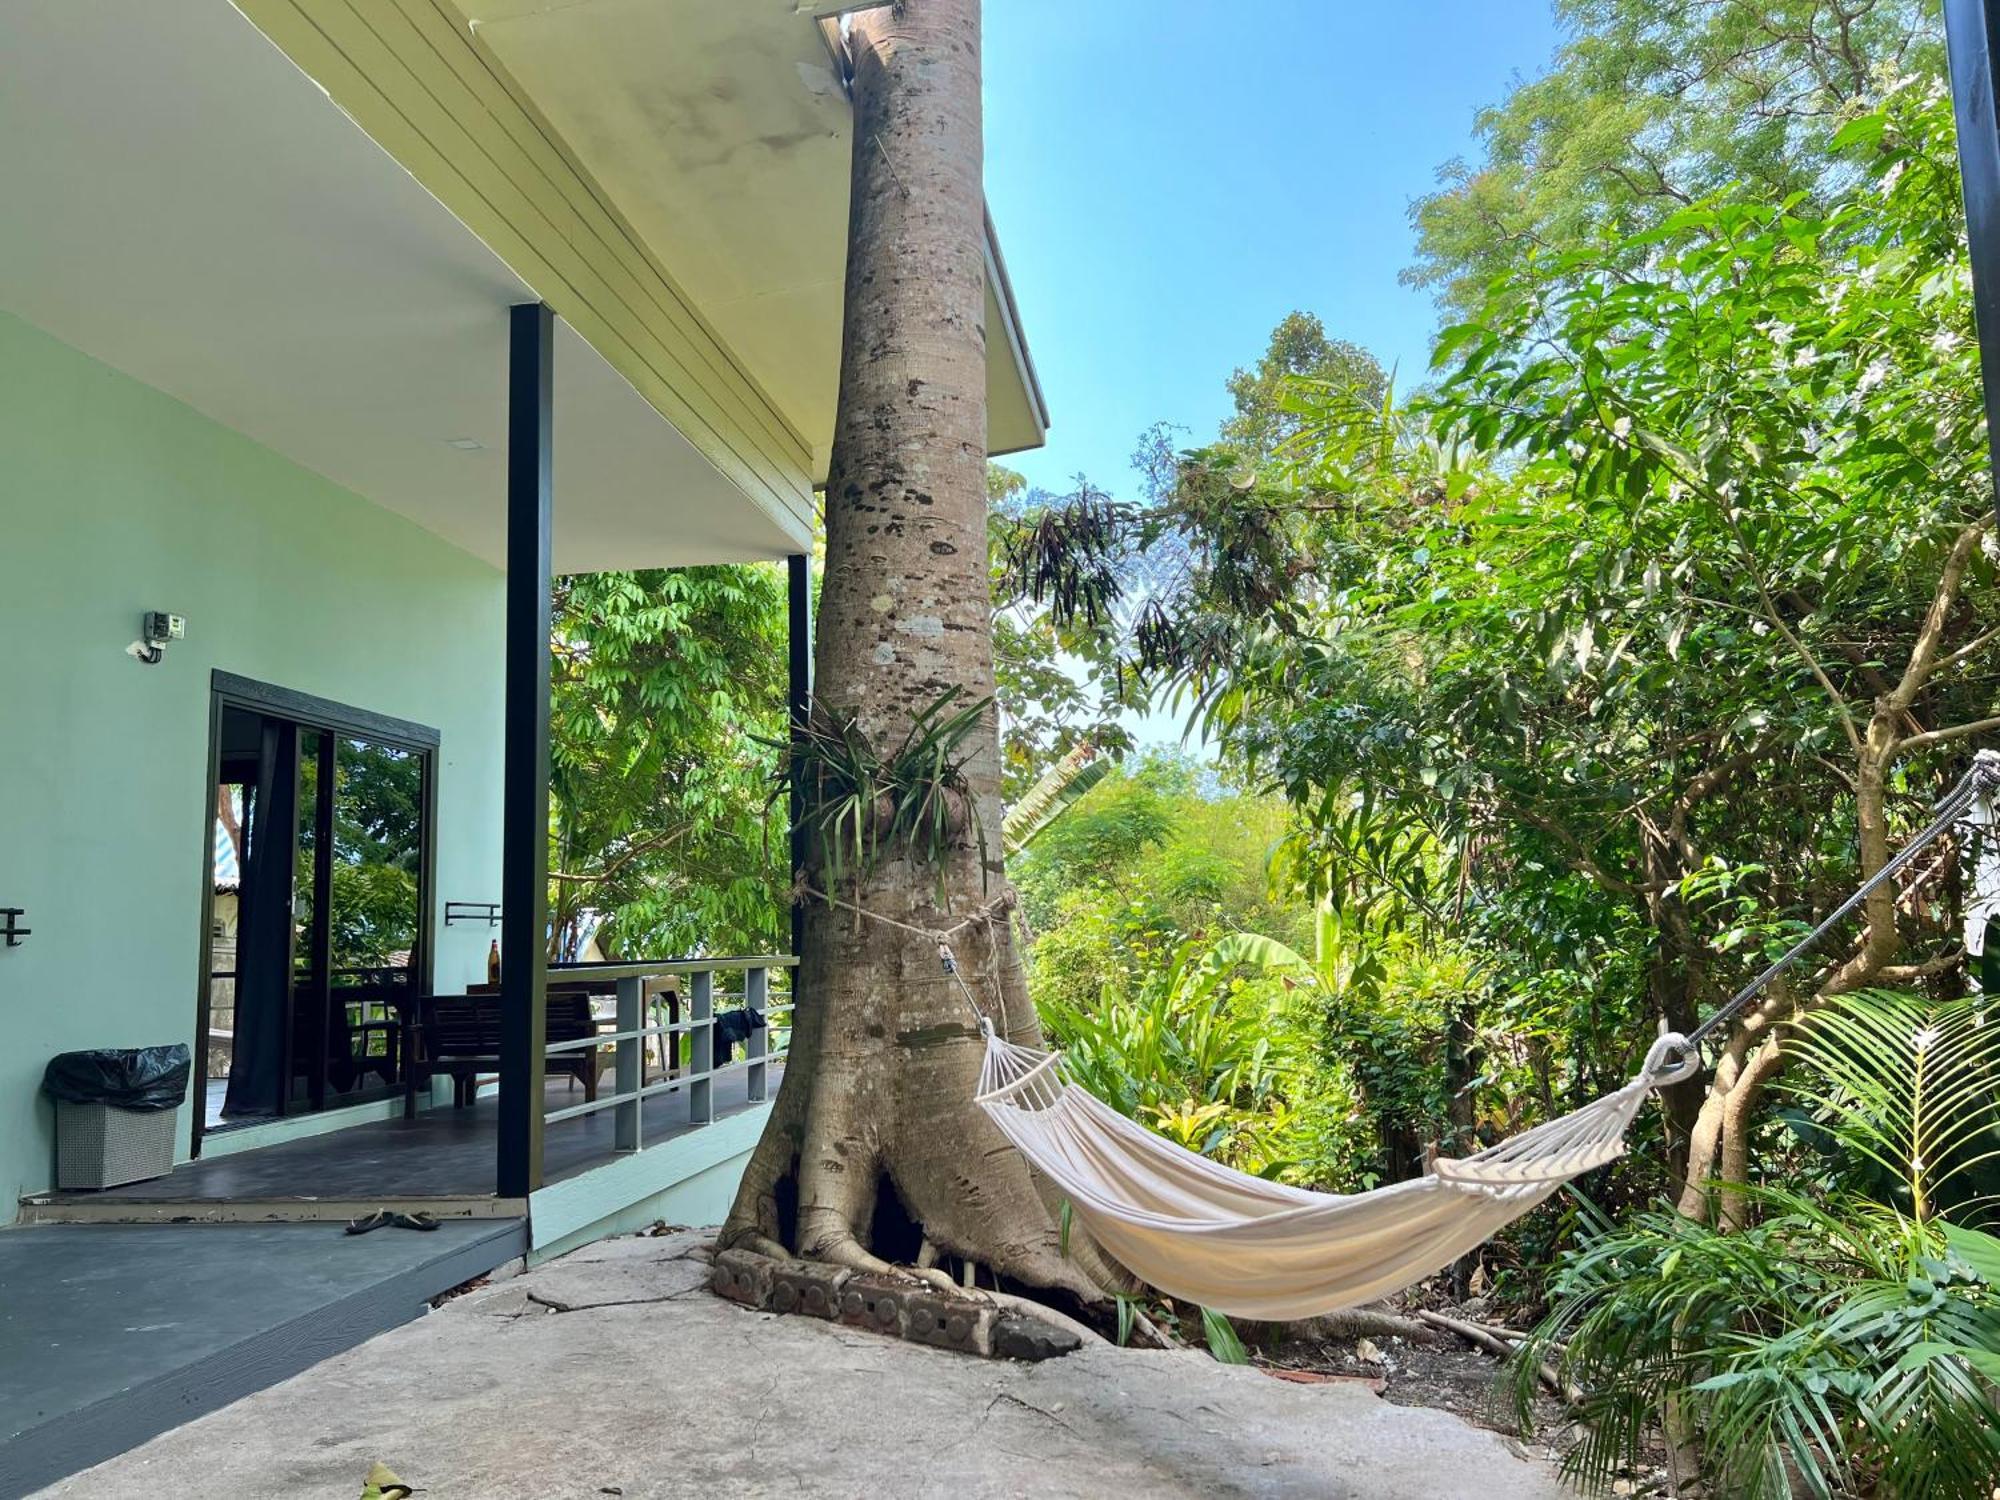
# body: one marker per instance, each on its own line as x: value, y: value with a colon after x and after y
x: 1255, y: 1249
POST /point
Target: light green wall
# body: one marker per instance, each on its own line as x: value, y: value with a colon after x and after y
x: 705, y: 1198
x: 688, y: 1179
x: 115, y: 498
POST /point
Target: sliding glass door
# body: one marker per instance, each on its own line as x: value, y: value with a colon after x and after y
x: 318, y: 925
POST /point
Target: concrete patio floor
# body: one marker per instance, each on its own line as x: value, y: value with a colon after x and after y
x: 613, y: 1371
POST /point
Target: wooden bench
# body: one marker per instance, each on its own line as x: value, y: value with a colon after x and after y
x: 461, y: 1037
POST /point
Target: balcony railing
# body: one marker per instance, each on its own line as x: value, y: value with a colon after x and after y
x: 762, y: 983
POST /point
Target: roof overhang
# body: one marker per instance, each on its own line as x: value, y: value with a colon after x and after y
x: 723, y: 134
x: 185, y: 205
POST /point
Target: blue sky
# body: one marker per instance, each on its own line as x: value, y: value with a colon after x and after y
x: 1171, y: 177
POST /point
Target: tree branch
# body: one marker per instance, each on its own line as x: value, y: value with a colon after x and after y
x: 1938, y: 736
x: 1923, y: 655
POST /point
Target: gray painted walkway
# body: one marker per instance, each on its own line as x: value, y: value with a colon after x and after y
x: 110, y: 1333
x: 613, y: 1371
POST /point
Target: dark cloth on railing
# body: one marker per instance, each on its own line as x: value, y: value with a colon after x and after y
x: 733, y: 1028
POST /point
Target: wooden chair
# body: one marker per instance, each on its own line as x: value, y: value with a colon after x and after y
x: 381, y: 988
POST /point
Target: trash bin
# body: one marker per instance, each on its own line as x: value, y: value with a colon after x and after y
x: 115, y: 1113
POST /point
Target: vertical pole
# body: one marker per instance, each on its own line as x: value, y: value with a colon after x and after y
x: 701, y: 1047
x: 524, y: 861
x: 757, y: 998
x: 798, y: 703
x: 631, y: 1060
x: 319, y: 940
x: 1972, y: 39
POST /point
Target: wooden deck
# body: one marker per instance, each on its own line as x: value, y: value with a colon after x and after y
x: 442, y: 1161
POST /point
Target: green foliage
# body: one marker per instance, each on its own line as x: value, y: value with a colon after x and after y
x: 1173, y: 1007
x: 1563, y: 669
x: 1300, y: 349
x: 1837, y: 1345
x: 1842, y: 1346
x: 1648, y: 108
x: 1055, y: 674
x: 1206, y: 1049
x: 1905, y: 1091
x: 374, y: 914
x: 1223, y: 1341
x: 665, y: 686
x: 377, y: 814
x: 1128, y: 1308
x: 1563, y: 666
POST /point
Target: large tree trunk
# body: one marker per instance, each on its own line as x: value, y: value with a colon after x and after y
x: 874, y: 1136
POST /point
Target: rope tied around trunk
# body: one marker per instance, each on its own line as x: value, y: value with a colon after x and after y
x: 1007, y: 902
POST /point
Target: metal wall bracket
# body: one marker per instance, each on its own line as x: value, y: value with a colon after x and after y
x: 472, y: 911
x: 10, y: 928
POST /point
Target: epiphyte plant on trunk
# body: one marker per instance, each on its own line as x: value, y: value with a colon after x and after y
x: 859, y: 805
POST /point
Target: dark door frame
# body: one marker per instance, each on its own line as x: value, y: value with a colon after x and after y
x: 1972, y: 42
x: 227, y: 690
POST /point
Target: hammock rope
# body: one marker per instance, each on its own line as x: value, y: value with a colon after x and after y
x: 1248, y: 1247
x: 1982, y: 780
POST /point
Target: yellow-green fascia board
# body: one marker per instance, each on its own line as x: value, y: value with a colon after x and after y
x: 412, y: 76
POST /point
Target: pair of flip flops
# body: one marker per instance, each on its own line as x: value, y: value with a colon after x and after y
x: 384, y: 1218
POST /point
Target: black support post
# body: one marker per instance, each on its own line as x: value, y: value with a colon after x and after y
x: 524, y: 884
x: 1972, y: 37
x: 798, y: 703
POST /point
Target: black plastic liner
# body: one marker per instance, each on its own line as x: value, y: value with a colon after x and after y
x: 129, y: 1077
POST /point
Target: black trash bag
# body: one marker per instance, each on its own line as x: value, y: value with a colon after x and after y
x: 129, y: 1077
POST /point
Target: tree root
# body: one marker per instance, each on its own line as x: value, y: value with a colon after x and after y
x: 847, y: 1252
x: 1491, y: 1341
x: 1352, y: 1323
x: 1161, y: 1338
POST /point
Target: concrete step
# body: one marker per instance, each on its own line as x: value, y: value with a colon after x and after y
x: 111, y: 1334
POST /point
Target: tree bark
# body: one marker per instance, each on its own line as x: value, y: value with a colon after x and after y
x: 874, y: 1135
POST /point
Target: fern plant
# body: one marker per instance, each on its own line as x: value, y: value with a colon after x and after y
x: 1833, y: 1348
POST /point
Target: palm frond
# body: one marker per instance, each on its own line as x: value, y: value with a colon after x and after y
x: 1058, y: 789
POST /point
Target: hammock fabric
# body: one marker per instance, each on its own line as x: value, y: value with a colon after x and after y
x: 1254, y: 1249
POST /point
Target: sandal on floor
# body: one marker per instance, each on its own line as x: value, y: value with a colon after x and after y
x: 367, y: 1222
x: 418, y: 1220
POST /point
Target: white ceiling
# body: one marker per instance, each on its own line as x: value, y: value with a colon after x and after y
x: 720, y: 131
x: 185, y: 205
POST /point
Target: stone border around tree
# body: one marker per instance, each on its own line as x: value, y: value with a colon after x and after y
x: 899, y: 1308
